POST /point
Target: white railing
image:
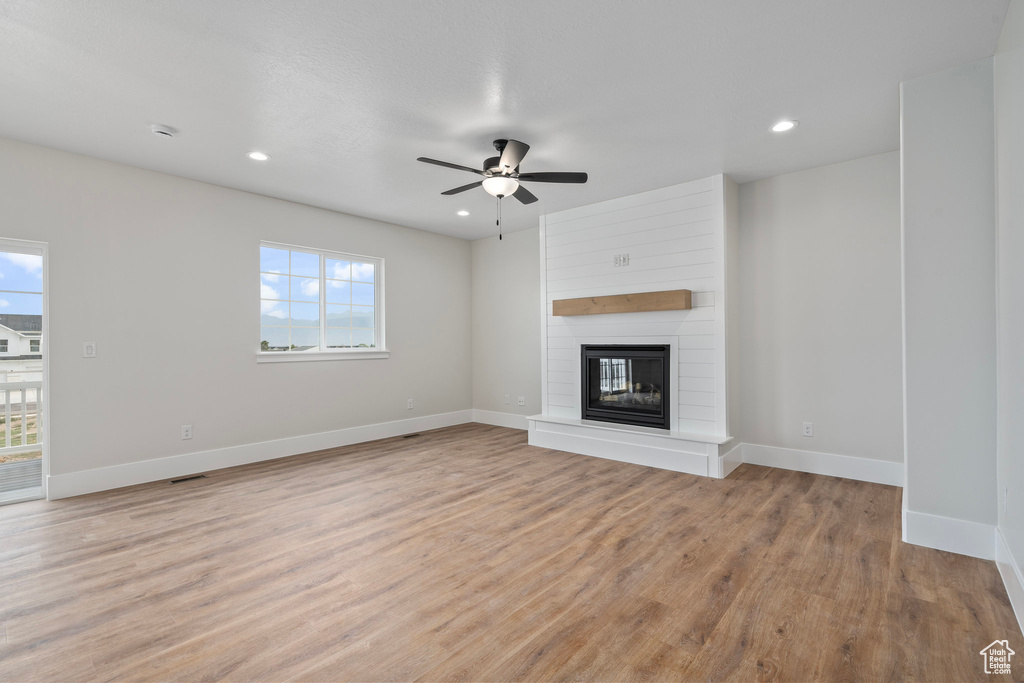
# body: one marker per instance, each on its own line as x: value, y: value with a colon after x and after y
x: 22, y: 403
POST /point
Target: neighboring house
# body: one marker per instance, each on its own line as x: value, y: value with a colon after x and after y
x: 21, y: 343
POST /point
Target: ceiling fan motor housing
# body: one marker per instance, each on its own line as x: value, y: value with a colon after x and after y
x: 491, y: 164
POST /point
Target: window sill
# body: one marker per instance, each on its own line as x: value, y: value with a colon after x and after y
x: 287, y: 357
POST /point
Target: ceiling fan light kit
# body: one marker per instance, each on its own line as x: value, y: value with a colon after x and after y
x: 500, y: 186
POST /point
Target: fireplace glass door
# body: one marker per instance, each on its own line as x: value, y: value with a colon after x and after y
x: 626, y: 384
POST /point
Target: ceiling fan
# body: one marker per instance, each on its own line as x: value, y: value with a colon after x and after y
x: 501, y: 173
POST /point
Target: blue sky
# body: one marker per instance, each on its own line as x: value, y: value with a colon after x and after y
x: 21, y: 283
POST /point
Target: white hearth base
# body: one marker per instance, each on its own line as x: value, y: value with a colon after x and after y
x: 708, y: 456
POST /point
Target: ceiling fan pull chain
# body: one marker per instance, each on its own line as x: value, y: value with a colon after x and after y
x: 499, y: 217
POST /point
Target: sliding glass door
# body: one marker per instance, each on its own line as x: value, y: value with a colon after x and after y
x: 22, y: 350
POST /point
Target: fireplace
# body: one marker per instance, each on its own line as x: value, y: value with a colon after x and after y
x: 626, y: 384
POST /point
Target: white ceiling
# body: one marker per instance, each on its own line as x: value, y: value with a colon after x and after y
x: 345, y: 95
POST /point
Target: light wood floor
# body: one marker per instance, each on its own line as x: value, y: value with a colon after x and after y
x: 465, y: 554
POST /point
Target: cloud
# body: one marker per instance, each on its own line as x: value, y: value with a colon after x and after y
x: 362, y: 272
x: 268, y: 292
x: 270, y: 308
x: 4, y: 303
x: 311, y: 287
x: 31, y: 263
x: 340, y: 271
x: 271, y: 277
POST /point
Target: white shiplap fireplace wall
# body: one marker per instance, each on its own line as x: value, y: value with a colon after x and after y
x: 678, y: 237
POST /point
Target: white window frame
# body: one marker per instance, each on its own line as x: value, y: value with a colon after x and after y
x: 38, y: 343
x: 378, y: 352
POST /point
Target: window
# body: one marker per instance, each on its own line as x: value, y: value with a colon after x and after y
x: 316, y: 305
x: 33, y: 346
x: 3, y: 346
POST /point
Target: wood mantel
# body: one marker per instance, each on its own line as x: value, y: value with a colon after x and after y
x: 670, y: 300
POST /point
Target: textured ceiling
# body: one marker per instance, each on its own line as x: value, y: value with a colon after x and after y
x: 345, y: 95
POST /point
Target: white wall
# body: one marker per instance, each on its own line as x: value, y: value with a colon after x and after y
x: 506, y: 323
x: 1009, y: 113
x: 819, y: 257
x: 137, y: 257
x: 948, y: 187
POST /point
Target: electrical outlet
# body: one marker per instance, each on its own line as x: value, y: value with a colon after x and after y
x: 408, y: 404
x: 808, y: 429
x: 88, y: 349
x: 186, y: 431
x: 521, y: 401
x: 620, y: 260
x: 506, y: 399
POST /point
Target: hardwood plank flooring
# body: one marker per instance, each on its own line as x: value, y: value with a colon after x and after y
x: 465, y: 554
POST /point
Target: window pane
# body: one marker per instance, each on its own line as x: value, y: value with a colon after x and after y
x: 339, y: 316
x: 273, y: 286
x: 274, y: 339
x: 362, y: 294
x: 338, y: 270
x: 273, y: 313
x: 305, y: 264
x: 362, y: 316
x: 339, y: 338
x: 24, y: 304
x: 273, y: 260
x: 362, y: 272
x: 304, y: 315
x: 305, y: 289
x: 21, y: 272
x: 338, y: 292
x: 305, y: 339
x: 362, y: 338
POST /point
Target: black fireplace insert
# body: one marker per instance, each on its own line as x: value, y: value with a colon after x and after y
x: 626, y: 384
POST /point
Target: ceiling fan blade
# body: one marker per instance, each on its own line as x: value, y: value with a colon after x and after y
x: 464, y: 188
x: 554, y: 177
x: 512, y: 154
x: 448, y: 165
x: 524, y: 195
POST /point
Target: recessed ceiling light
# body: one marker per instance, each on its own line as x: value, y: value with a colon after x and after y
x: 258, y: 156
x: 463, y: 213
x: 783, y: 126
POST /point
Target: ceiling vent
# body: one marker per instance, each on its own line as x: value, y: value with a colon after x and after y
x: 160, y: 130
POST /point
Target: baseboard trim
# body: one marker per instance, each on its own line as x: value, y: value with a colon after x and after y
x: 492, y: 417
x: 952, y: 535
x: 1012, y: 577
x: 158, y: 469
x: 844, y: 466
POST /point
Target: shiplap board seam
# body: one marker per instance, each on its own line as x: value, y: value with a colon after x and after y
x: 671, y: 204
x: 685, y: 245
x: 694, y: 285
x: 629, y: 201
x: 694, y: 225
x: 698, y: 257
x: 615, y: 243
x: 657, y: 271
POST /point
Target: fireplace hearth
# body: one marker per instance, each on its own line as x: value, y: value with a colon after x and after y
x: 626, y: 384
